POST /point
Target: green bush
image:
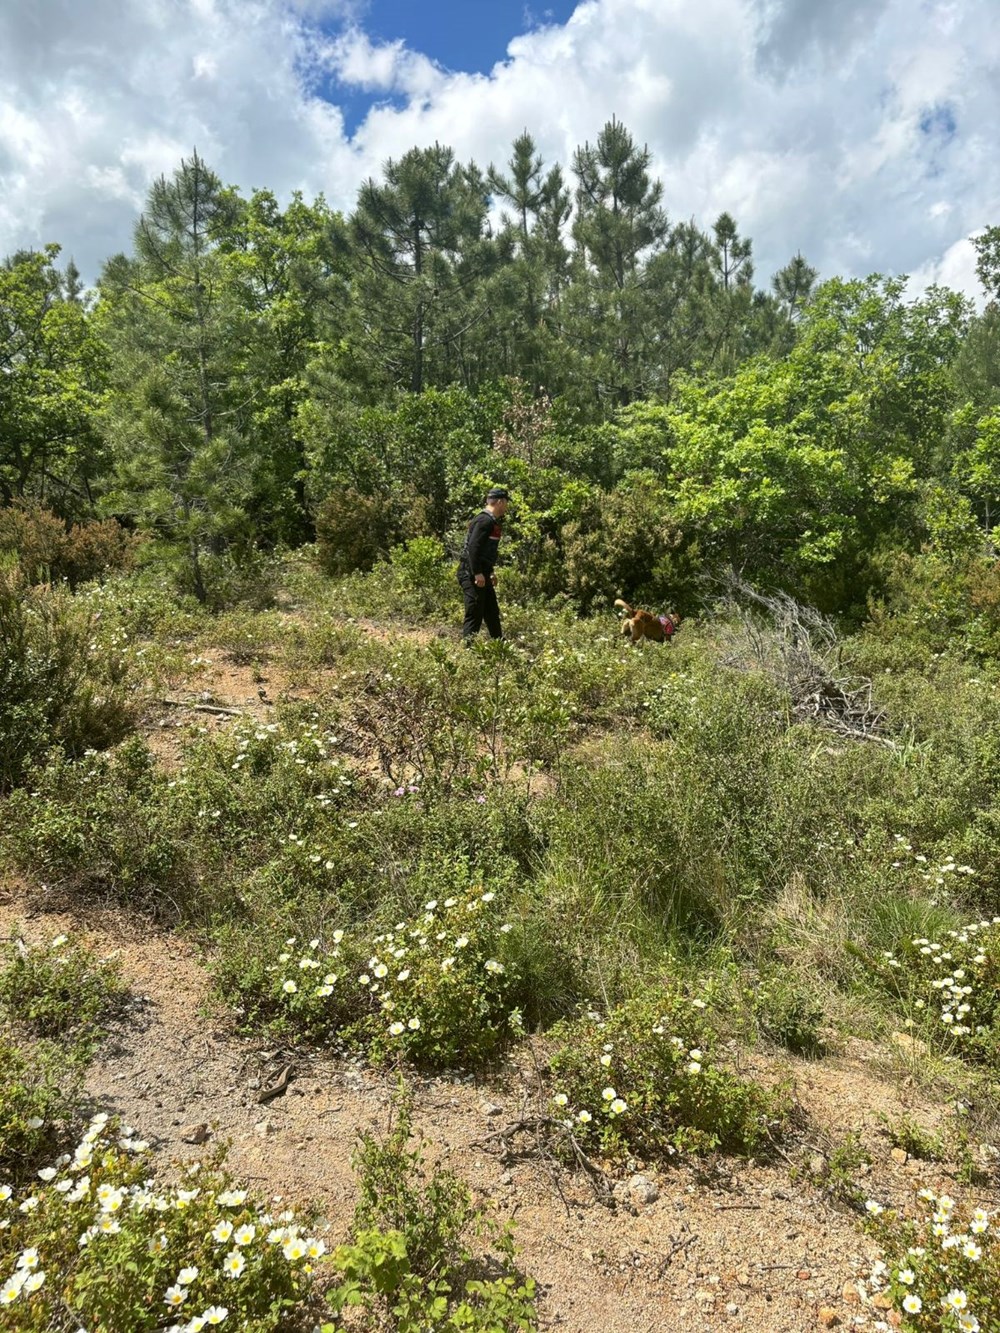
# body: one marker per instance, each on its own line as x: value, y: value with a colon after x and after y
x: 950, y: 990
x: 59, y: 991
x: 643, y: 1081
x: 38, y: 1100
x: 409, y: 1265
x: 438, y: 989
x: 942, y: 1268
x: 61, y: 682
x: 100, y: 1244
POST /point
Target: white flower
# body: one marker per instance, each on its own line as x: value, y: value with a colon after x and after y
x: 873, y: 1208
x: 560, y: 1099
x: 972, y: 1251
x: 186, y: 1276
x: 289, y: 987
x: 58, y: 942
x: 157, y: 1244
x: 33, y: 1281
x: 968, y: 1323
x: 315, y: 1249
x: 215, y: 1314
x: 245, y: 1235
x: 294, y: 1248
x: 584, y: 1117
x: 609, y: 1094
x: 233, y: 1264
x: 956, y: 1299
x: 693, y: 1067
x: 28, y: 1259
x: 231, y: 1198
x: 413, y: 1024
x: 47, y: 1173
x: 912, y: 1303
x: 461, y: 942
x: 492, y: 965
x: 222, y: 1231
x: 618, y: 1106
x: 175, y: 1296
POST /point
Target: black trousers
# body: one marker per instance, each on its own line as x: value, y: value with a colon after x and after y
x: 480, y: 604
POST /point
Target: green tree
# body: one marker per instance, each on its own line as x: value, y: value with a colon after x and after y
x: 420, y: 253
x: 177, y: 421
x: 619, y: 223
x: 52, y: 378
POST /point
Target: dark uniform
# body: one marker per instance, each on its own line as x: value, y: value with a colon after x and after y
x: 479, y: 556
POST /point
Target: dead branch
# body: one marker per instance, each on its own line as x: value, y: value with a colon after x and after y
x: 798, y: 648
x: 543, y: 1130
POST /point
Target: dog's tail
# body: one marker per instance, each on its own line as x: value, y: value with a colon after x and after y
x: 624, y: 605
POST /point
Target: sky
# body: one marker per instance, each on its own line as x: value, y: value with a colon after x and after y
x: 859, y: 133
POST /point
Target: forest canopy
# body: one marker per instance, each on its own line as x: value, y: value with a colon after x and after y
x: 250, y: 377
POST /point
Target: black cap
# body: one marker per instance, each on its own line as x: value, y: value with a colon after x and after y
x: 497, y: 493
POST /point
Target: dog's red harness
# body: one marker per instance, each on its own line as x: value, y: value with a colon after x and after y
x: 668, y: 625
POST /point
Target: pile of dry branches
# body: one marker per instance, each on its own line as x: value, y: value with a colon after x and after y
x: 797, y: 646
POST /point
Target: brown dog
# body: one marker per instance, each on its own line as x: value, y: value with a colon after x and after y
x: 644, y: 625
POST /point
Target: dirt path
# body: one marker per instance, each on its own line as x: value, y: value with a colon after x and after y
x: 741, y: 1245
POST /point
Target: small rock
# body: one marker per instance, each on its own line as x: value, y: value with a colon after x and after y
x: 705, y: 1298
x: 912, y: 1045
x: 265, y: 1128
x: 851, y: 1294
x: 743, y: 1277
x: 898, y: 1155
x: 804, y: 1274
x: 490, y: 1109
x: 732, y: 1308
x: 196, y: 1133
x: 882, y: 1301
x: 637, y: 1189
x: 828, y: 1316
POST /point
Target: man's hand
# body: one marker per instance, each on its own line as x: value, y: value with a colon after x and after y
x: 493, y: 580
x: 480, y: 580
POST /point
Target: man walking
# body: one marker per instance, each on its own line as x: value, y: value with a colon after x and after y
x: 475, y: 567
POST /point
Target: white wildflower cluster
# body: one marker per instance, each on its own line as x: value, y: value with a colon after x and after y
x: 96, y: 1193
x: 936, y: 878
x: 950, y: 1272
x: 952, y: 982
x: 677, y: 1053
x: 398, y: 975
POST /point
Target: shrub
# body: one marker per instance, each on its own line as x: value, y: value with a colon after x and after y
x: 942, y: 1269
x: 100, y: 1243
x: 47, y: 550
x: 353, y: 531
x: 642, y: 1081
x: 409, y: 1265
x: 38, y: 1098
x: 951, y: 990
x: 438, y: 989
x: 61, y: 682
x: 59, y: 991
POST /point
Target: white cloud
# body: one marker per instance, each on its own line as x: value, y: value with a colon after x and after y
x: 860, y: 133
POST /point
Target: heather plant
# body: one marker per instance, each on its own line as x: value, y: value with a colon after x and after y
x: 96, y: 1241
x: 942, y: 1268
x: 644, y: 1080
